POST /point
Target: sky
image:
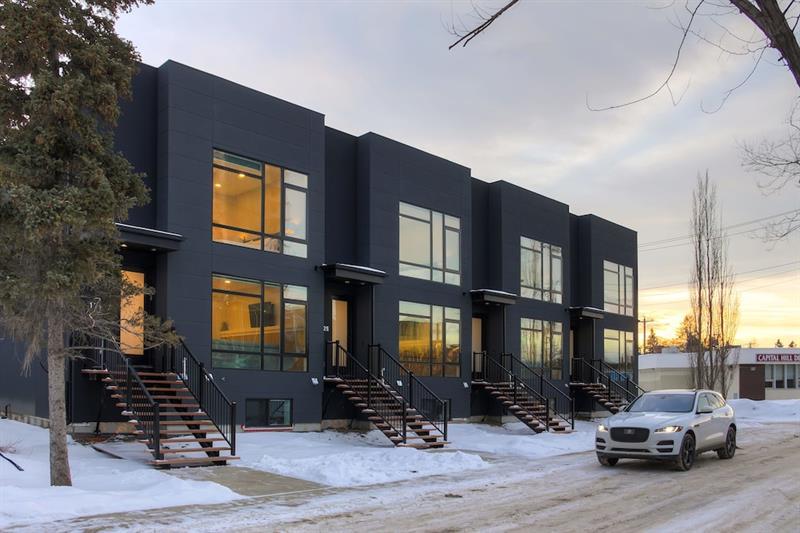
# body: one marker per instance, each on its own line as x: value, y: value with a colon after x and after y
x: 514, y: 105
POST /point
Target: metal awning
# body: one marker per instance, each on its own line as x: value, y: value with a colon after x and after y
x: 138, y: 237
x: 356, y: 274
x: 493, y: 296
x: 586, y: 312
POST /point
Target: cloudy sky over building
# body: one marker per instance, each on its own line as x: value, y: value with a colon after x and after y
x: 513, y: 105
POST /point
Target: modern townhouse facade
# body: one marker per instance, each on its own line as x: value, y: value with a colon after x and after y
x: 283, y: 249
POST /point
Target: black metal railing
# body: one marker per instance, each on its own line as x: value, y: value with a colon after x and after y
x: 138, y: 403
x: 584, y: 371
x: 623, y: 379
x: 419, y: 396
x: 561, y: 404
x: 200, y: 382
x: 374, y: 392
x: 497, y: 374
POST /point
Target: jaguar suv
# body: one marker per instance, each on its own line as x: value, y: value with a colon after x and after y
x: 669, y: 425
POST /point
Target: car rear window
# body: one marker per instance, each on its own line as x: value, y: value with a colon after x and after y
x: 663, y: 403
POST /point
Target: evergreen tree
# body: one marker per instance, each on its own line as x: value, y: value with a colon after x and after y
x: 778, y: 344
x: 63, y: 70
x: 792, y: 344
x: 652, y: 343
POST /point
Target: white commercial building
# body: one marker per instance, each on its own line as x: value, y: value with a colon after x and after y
x: 758, y: 373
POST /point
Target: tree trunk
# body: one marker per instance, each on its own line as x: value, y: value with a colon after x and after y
x: 56, y: 361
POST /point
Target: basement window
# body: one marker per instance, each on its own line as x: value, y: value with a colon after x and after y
x: 267, y: 413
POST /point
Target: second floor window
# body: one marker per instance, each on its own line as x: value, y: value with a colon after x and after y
x: 258, y: 325
x: 260, y: 206
x: 540, y: 270
x: 617, y: 288
x: 430, y: 245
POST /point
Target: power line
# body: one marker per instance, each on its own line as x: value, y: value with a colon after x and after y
x: 732, y: 226
x: 687, y: 243
x: 737, y: 273
x: 755, y: 278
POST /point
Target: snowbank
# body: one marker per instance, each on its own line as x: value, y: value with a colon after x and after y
x: 766, y: 410
x: 346, y: 459
x: 101, y: 484
x: 517, y: 439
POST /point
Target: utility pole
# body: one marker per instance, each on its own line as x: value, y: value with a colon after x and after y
x: 644, y: 320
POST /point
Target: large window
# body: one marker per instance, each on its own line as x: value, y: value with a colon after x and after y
x: 618, y: 349
x: 617, y: 288
x: 540, y: 270
x: 259, y: 206
x: 430, y: 245
x: 430, y: 339
x: 264, y: 413
x: 258, y: 325
x: 542, y: 345
x: 782, y: 376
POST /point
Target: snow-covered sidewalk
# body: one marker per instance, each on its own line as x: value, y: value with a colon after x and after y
x: 101, y: 484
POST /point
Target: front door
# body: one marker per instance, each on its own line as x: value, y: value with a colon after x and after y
x: 477, y: 347
x: 751, y: 382
x: 131, y: 334
x: 340, y: 326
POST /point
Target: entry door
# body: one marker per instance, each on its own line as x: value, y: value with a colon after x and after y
x: 131, y: 334
x: 751, y: 382
x: 477, y: 345
x: 340, y: 327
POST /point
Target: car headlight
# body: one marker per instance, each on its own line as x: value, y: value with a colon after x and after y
x: 670, y: 429
x: 601, y: 427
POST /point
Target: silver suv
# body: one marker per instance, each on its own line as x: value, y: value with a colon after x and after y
x: 669, y: 425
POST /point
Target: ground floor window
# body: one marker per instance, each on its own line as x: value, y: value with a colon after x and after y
x: 264, y: 413
x: 258, y: 325
x: 618, y: 349
x: 781, y: 376
x: 542, y: 345
x: 430, y: 339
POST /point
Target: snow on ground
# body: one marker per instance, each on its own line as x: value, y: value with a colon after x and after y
x: 101, y: 484
x: 755, y: 412
x: 346, y: 459
x: 517, y: 439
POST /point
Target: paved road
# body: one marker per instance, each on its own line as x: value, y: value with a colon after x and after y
x: 759, y: 490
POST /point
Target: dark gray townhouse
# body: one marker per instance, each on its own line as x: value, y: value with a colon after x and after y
x: 318, y: 277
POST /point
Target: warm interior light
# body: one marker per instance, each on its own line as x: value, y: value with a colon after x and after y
x: 217, y: 185
x: 124, y: 245
x: 241, y: 175
x: 227, y: 281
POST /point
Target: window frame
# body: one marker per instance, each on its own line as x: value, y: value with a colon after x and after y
x: 623, y: 273
x: 430, y: 362
x: 268, y: 426
x: 262, y: 233
x: 262, y: 352
x: 624, y: 338
x: 550, y: 341
x: 546, y: 292
x: 446, y: 272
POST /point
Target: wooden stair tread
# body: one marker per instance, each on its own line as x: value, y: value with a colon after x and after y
x: 185, y: 440
x: 193, y: 460
x: 192, y: 450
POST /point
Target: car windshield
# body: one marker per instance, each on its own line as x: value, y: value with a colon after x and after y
x: 663, y: 403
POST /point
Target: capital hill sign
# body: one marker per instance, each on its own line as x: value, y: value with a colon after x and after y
x: 778, y: 357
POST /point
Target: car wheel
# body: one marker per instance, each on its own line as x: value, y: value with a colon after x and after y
x: 730, y: 445
x: 688, y: 453
x: 607, y: 461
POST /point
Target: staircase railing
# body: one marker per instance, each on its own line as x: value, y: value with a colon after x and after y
x: 496, y: 373
x: 584, y: 371
x: 633, y: 390
x: 342, y: 364
x: 200, y: 382
x: 563, y: 406
x: 419, y: 396
x: 137, y: 399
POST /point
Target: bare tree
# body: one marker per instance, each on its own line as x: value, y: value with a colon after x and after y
x: 774, y: 21
x: 714, y: 302
x: 778, y: 162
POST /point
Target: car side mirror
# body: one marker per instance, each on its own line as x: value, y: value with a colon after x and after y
x: 705, y: 411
